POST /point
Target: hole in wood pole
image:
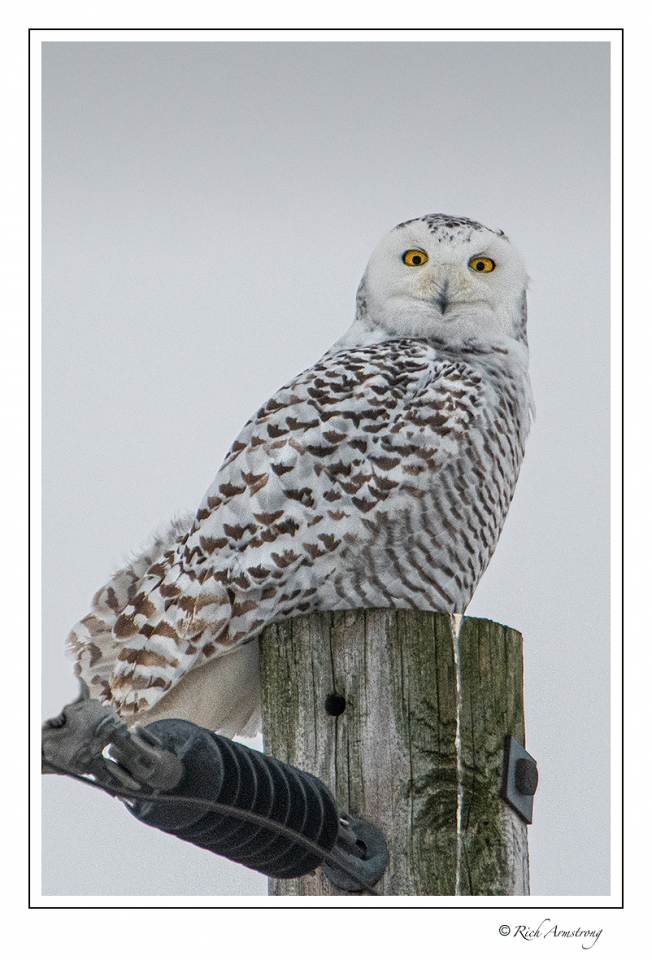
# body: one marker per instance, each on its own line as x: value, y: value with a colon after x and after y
x: 334, y: 704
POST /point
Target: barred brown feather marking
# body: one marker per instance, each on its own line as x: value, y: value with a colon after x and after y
x: 381, y: 476
x: 257, y: 509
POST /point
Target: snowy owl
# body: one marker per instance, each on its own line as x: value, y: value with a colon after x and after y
x: 379, y: 477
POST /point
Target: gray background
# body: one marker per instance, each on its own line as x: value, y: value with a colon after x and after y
x: 208, y: 209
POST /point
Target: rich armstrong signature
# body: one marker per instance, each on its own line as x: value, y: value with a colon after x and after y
x: 548, y: 929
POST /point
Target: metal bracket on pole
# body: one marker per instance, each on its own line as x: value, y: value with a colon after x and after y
x: 520, y: 779
x: 78, y: 739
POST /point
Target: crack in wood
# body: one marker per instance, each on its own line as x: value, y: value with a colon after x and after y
x: 391, y: 755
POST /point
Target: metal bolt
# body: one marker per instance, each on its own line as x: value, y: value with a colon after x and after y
x: 526, y: 776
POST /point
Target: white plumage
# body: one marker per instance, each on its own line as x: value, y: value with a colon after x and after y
x: 381, y: 476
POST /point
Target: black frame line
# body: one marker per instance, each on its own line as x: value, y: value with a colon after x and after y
x: 425, y: 30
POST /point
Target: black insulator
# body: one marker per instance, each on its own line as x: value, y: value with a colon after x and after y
x: 222, y: 771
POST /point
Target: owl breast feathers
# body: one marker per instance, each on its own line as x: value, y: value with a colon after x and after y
x: 379, y: 477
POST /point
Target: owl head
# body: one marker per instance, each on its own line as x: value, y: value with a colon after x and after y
x: 447, y: 278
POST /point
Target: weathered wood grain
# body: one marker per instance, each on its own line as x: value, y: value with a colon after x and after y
x: 391, y: 755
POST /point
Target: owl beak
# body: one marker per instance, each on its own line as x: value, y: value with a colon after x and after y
x: 441, y: 298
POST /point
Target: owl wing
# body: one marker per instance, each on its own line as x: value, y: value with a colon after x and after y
x: 91, y: 641
x: 351, y: 441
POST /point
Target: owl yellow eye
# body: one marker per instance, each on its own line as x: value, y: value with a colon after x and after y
x: 415, y: 258
x: 482, y: 264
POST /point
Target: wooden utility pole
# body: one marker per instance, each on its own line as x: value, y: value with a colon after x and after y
x: 368, y: 701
